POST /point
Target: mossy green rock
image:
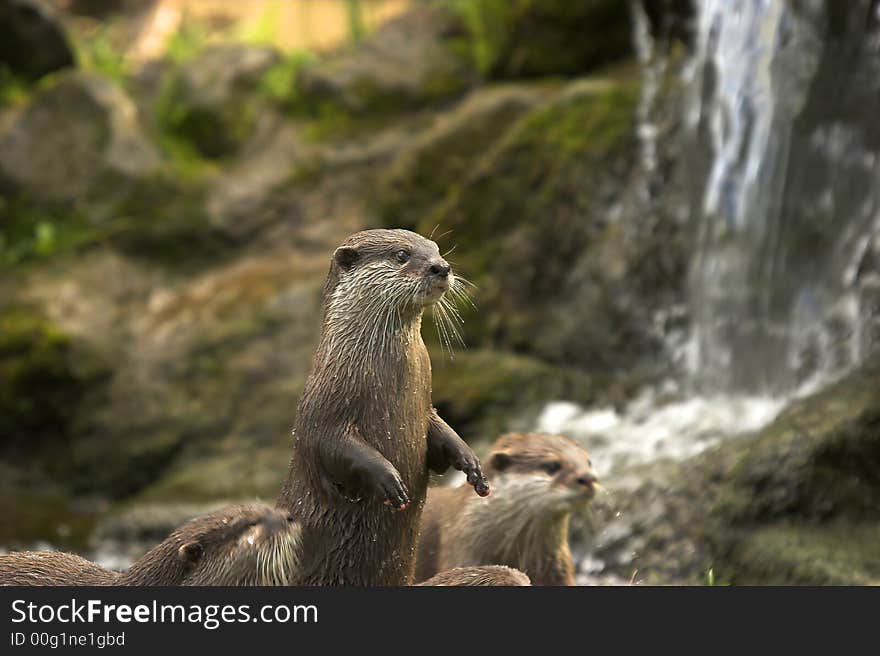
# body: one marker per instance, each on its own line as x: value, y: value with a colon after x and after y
x: 796, y: 503
x: 484, y: 392
x: 433, y: 167
x: 409, y: 62
x: 79, y: 136
x: 837, y: 553
x: 529, y: 38
x: 41, y: 384
x: 213, y: 101
x: 533, y: 218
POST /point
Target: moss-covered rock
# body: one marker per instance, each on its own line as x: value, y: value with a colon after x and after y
x: 42, y: 383
x: 77, y: 138
x: 213, y: 101
x: 534, y: 218
x: 442, y: 157
x: 796, y: 503
x: 836, y: 553
x: 483, y: 392
x: 528, y: 38
x: 409, y: 62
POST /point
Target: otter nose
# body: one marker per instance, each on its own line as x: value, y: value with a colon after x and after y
x: 587, y: 479
x: 440, y: 268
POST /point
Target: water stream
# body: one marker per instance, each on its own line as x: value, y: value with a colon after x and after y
x: 782, y: 155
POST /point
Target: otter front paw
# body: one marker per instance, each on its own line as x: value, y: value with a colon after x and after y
x: 391, y: 489
x: 469, y: 464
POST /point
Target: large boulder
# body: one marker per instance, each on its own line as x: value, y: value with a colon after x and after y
x: 80, y: 136
x: 409, y: 62
x: 32, y: 39
x: 539, y: 215
x: 796, y: 503
x: 210, y: 101
x: 437, y: 160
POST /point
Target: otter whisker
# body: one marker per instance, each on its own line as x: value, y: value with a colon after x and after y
x: 464, y: 280
x: 441, y: 333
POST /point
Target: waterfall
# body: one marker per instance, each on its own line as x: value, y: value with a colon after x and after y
x: 784, y: 154
x: 780, y: 153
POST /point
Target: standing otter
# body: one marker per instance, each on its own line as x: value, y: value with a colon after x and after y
x: 489, y: 575
x: 539, y: 480
x: 235, y: 546
x: 366, y: 432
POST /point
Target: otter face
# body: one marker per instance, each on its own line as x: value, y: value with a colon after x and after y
x: 398, y: 266
x: 554, y: 467
x: 239, y: 545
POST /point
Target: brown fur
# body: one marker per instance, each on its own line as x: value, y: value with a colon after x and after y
x: 237, y: 545
x: 366, y: 432
x: 525, y: 522
x: 489, y: 575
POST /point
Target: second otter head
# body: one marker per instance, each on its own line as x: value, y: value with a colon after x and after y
x: 554, y: 468
x: 377, y: 269
x: 238, y: 545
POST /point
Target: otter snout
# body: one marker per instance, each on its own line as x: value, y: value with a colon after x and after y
x: 440, y: 268
x: 587, y: 479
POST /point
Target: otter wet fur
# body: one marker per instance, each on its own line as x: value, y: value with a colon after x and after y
x: 487, y: 575
x: 538, y: 481
x: 366, y: 432
x: 241, y: 545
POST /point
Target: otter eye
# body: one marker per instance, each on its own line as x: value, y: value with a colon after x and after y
x: 402, y: 256
x: 552, y: 467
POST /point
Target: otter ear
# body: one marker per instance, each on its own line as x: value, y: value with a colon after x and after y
x: 345, y: 257
x: 191, y: 552
x: 500, y: 461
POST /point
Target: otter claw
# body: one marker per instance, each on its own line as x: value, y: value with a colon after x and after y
x: 397, y: 499
x: 477, y: 480
x: 482, y: 488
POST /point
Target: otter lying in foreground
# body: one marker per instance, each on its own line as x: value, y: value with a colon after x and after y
x: 235, y: 546
x: 366, y: 432
x: 490, y: 575
x: 538, y: 481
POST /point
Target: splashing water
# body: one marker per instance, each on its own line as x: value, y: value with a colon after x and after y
x: 648, y: 430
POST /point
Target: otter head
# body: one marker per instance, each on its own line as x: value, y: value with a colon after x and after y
x: 543, y: 469
x: 395, y: 269
x: 237, y: 545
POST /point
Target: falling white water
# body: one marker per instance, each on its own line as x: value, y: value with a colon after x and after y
x: 648, y: 430
x: 782, y: 112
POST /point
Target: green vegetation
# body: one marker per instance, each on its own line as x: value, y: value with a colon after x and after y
x: 40, y: 386
x: 356, y: 27
x: 97, y: 53
x: 186, y: 42
x: 264, y: 29
x: 31, y: 231
x: 484, y: 20
x: 13, y: 90
x: 530, y: 38
x: 279, y: 82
